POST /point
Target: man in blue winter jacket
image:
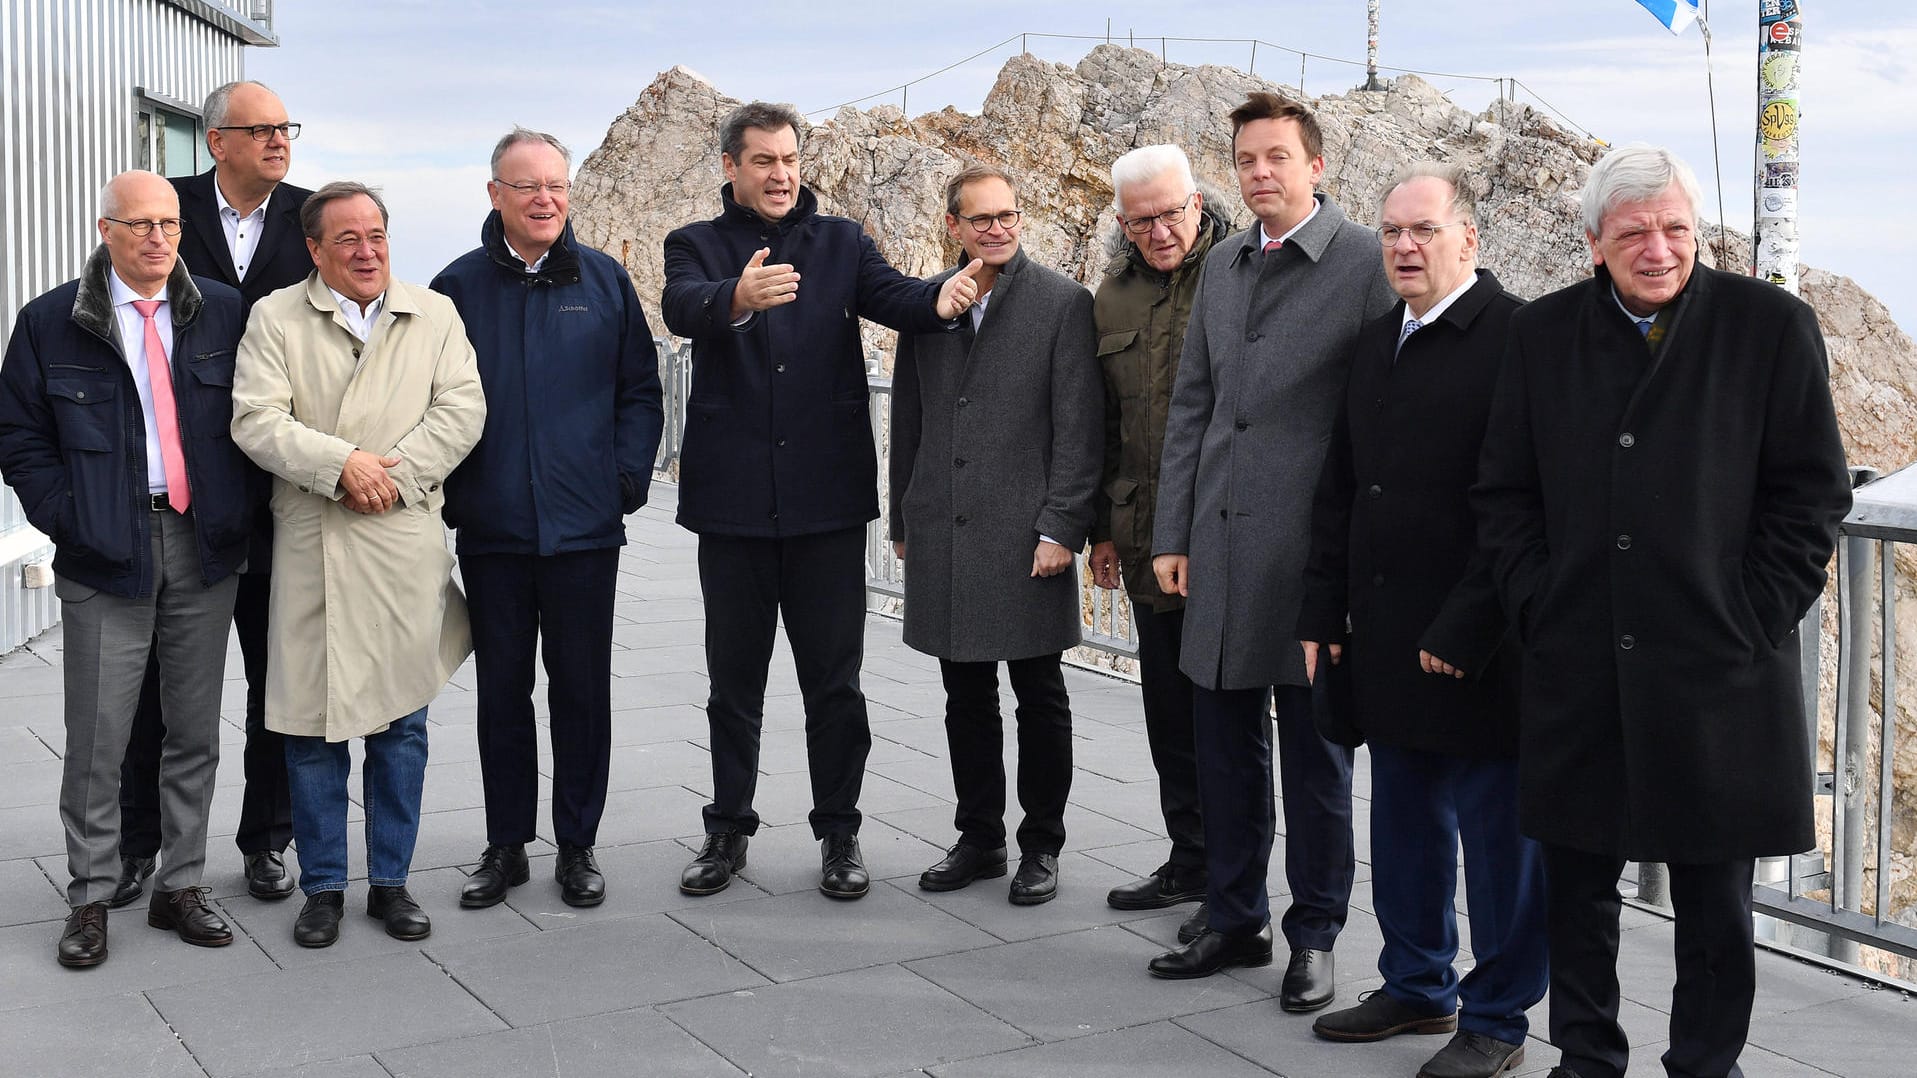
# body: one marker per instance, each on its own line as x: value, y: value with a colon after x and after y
x: 573, y: 420
x: 778, y: 475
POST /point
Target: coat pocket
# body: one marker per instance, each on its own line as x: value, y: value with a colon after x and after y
x: 83, y: 410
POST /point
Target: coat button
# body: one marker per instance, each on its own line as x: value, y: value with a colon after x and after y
x: 1624, y: 542
x: 960, y: 519
x: 778, y: 368
x: 1377, y: 581
x: 1375, y: 491
x: 774, y: 514
x: 1252, y: 337
x: 1222, y: 514
x: 1627, y: 641
x: 1242, y: 425
x: 82, y: 395
x: 1626, y: 440
x: 355, y: 353
x: 962, y: 402
x: 958, y: 462
x: 781, y: 443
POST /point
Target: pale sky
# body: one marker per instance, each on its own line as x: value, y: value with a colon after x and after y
x: 411, y: 94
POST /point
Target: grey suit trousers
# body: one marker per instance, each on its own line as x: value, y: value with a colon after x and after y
x: 107, y: 639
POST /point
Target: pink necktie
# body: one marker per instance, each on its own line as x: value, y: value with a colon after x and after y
x: 166, y: 414
x: 1273, y: 245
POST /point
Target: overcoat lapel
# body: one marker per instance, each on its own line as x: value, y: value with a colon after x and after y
x: 998, y: 322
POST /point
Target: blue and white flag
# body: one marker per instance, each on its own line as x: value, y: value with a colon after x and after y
x: 1674, y: 14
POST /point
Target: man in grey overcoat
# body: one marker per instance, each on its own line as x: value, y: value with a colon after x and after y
x: 1261, y: 377
x: 995, y: 458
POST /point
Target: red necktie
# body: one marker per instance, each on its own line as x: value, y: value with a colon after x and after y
x: 166, y: 414
x: 1273, y: 245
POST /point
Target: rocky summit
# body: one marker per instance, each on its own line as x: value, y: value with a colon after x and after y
x: 1058, y: 129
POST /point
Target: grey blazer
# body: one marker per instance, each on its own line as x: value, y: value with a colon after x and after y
x: 1260, y: 379
x: 997, y: 439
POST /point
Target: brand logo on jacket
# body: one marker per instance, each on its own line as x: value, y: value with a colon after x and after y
x: 571, y: 307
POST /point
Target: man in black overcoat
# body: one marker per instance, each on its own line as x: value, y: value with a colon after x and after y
x: 1659, y: 490
x: 1434, y: 684
x: 240, y: 226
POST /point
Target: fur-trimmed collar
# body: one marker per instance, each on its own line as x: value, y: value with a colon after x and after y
x: 93, y: 303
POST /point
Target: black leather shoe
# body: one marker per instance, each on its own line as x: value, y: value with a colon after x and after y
x: 1197, y: 924
x: 1379, y: 1015
x: 266, y: 876
x: 318, y: 922
x: 185, y: 911
x: 1036, y: 881
x: 841, y: 868
x: 83, y: 940
x: 500, y: 867
x: 1474, y: 1055
x: 404, y: 919
x: 963, y: 863
x: 1212, y: 952
x: 1168, y: 885
x: 580, y: 883
x: 133, y: 874
x: 1308, y: 981
x: 711, y: 872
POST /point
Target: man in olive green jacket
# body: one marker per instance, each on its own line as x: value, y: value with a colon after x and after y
x: 1141, y: 307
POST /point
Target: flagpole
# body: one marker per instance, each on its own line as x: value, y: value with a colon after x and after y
x: 1774, y: 241
x: 1717, y: 164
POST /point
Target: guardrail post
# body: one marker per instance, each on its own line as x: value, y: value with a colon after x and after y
x: 1850, y: 743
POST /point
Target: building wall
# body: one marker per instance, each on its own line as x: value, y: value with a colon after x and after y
x: 76, y: 79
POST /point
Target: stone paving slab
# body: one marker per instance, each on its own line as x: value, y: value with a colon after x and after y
x: 767, y: 977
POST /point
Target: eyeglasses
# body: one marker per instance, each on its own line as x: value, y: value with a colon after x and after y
x: 1007, y: 220
x: 143, y: 229
x: 349, y: 244
x: 1420, y: 234
x: 262, y: 132
x: 532, y: 189
x: 1139, y: 226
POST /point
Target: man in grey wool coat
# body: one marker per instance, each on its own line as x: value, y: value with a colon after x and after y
x: 996, y: 451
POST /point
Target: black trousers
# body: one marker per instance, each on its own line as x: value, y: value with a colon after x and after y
x: 266, y: 813
x: 516, y: 601
x: 817, y: 582
x: 1716, y: 965
x: 1234, y: 739
x: 1168, y: 728
x: 976, y: 735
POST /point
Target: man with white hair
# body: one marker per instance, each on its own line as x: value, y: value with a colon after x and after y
x: 114, y: 401
x: 1659, y: 491
x: 1165, y: 229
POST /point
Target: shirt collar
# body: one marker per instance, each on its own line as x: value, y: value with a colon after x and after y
x: 350, y: 307
x: 531, y: 267
x: 219, y: 199
x: 123, y: 293
x: 1439, y: 307
x: 1266, y: 237
x: 1649, y: 319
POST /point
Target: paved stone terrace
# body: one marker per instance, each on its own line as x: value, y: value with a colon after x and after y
x: 769, y: 977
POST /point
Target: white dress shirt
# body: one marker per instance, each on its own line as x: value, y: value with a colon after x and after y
x: 360, y: 324
x: 133, y: 347
x: 1266, y: 237
x: 1439, y: 307
x: 242, y: 233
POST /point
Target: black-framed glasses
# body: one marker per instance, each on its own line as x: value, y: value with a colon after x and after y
x: 168, y: 227
x: 1140, y: 226
x: 1005, y: 219
x: 1420, y: 234
x: 262, y: 132
x: 533, y: 188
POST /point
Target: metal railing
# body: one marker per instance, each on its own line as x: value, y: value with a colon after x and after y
x: 1110, y: 643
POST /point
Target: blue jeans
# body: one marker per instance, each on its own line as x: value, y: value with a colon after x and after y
x: 394, y: 776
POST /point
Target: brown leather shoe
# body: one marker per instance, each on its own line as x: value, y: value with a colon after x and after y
x: 185, y: 911
x: 83, y: 940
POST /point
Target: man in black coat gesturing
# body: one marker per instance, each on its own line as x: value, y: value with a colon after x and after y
x: 1659, y: 491
x: 1434, y: 686
x: 778, y: 474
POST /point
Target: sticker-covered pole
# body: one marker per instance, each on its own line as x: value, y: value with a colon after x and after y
x: 1371, y: 46
x: 1780, y: 48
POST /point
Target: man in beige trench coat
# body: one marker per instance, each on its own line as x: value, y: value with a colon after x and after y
x: 359, y: 394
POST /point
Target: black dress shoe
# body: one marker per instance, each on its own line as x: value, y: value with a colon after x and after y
x: 1197, y: 924
x: 318, y: 922
x: 1036, y: 881
x: 185, y: 911
x: 1308, y: 981
x: 133, y: 874
x: 711, y: 872
x: 266, y: 876
x: 500, y: 867
x: 1473, y: 1055
x: 580, y: 883
x: 1212, y: 952
x: 83, y: 940
x: 404, y: 919
x: 963, y: 863
x: 1378, y: 1015
x: 841, y: 868
x: 1168, y: 885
